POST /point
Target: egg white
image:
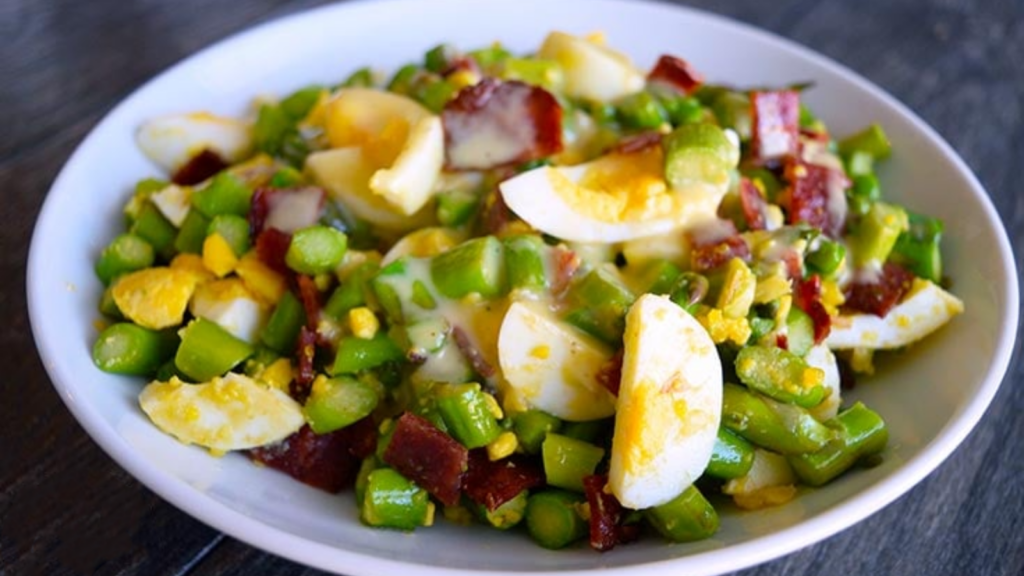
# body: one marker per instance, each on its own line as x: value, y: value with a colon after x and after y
x: 173, y: 140
x: 669, y: 405
x: 552, y: 366
x: 925, y: 309
x: 230, y: 413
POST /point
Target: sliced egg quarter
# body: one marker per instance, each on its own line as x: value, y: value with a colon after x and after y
x: 925, y: 309
x: 230, y: 413
x: 615, y: 198
x: 669, y: 405
x: 552, y: 366
x: 173, y: 140
x: 592, y: 70
x: 402, y: 145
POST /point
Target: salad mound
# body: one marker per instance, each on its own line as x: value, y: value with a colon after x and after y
x: 549, y: 292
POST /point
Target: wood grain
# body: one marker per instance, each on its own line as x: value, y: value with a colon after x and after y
x: 66, y: 508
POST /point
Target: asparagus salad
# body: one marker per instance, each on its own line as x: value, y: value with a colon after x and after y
x: 552, y: 292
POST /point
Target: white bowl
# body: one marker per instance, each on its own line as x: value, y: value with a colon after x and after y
x: 930, y: 397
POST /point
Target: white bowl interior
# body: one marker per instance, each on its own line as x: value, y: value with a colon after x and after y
x: 930, y: 397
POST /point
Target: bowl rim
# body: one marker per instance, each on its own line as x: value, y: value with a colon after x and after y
x: 757, y: 550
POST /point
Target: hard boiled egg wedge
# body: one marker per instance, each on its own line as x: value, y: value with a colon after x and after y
x: 592, y: 70
x: 551, y: 366
x: 618, y: 197
x: 401, y: 147
x: 669, y: 405
x: 173, y: 140
x: 924, y: 309
x: 230, y: 413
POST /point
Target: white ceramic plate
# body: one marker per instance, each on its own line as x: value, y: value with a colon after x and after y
x: 931, y: 397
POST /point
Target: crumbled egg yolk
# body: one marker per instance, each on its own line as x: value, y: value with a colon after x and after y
x: 363, y: 322
x: 278, y: 375
x: 260, y: 278
x: 218, y: 257
x: 192, y: 263
x: 722, y: 328
x: 156, y: 297
x: 502, y: 446
x: 831, y: 296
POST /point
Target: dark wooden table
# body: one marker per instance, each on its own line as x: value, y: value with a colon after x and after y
x: 66, y: 508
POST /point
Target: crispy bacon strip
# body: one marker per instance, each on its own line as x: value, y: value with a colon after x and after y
x: 259, y: 209
x: 310, y: 297
x: 567, y: 262
x: 610, y: 374
x: 807, y: 297
x: 782, y: 341
x: 198, y: 168
x: 271, y: 247
x: 776, y: 124
x: 879, y: 297
x: 460, y: 64
x: 606, y: 517
x: 638, y: 142
x: 472, y: 353
x: 496, y: 215
x: 704, y: 257
x: 495, y: 123
x: 816, y: 195
x: 305, y: 352
x: 755, y: 207
x: 677, y: 73
x: 432, y: 459
x: 325, y: 461
x: 491, y: 484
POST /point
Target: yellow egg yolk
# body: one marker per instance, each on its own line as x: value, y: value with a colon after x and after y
x: 621, y: 187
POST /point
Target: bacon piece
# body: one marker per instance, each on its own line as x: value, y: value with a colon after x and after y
x: 819, y: 136
x: 879, y: 297
x: 362, y: 437
x: 325, y: 461
x: 461, y: 63
x: 472, y: 353
x: 310, y: 297
x: 495, y: 123
x: 610, y: 373
x: 755, y: 207
x: 271, y: 247
x: 704, y: 257
x: 198, y: 168
x: 677, y: 73
x: 567, y: 262
x: 259, y: 208
x: 816, y: 195
x: 782, y: 341
x: 775, y: 124
x: 807, y: 297
x: 496, y: 214
x: 606, y: 527
x: 492, y: 483
x: 638, y: 142
x: 305, y: 352
x: 432, y: 459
